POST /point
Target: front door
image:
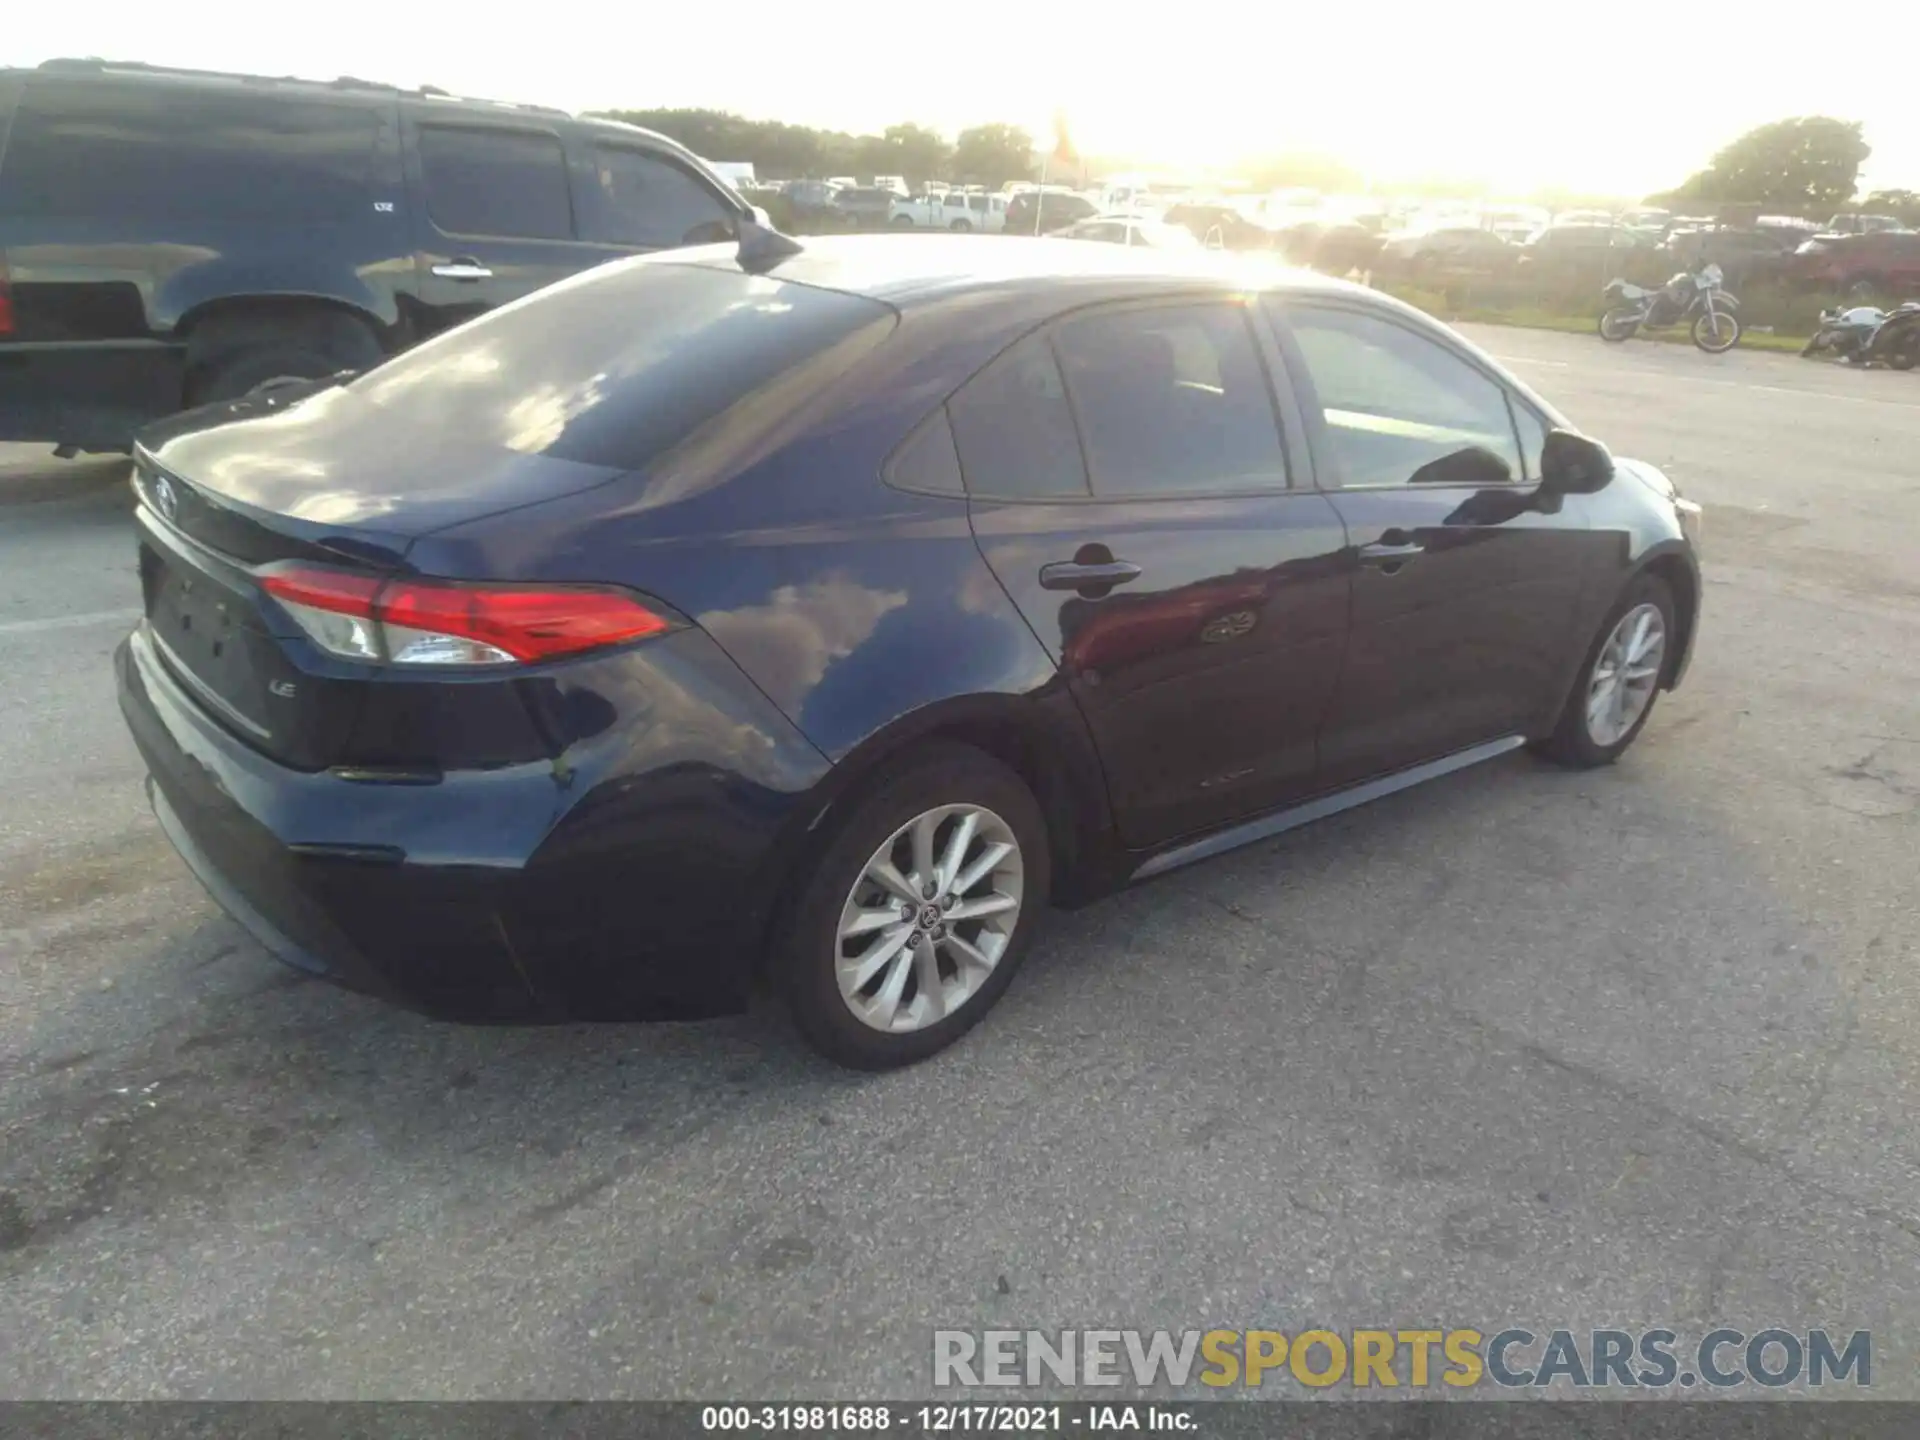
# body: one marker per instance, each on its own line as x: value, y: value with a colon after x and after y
x: 493, y: 218
x: 1129, y: 487
x: 1464, y: 587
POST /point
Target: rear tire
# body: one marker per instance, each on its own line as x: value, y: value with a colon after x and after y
x: 960, y: 227
x: 1574, y: 742
x: 228, y: 356
x: 1905, y: 353
x: 1619, y: 323
x: 901, y: 222
x: 814, y: 953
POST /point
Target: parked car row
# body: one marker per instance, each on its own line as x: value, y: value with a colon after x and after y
x: 1871, y: 265
x: 957, y: 210
x: 1868, y: 266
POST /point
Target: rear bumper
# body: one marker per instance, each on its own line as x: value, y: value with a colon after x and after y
x: 526, y: 893
x: 93, y: 395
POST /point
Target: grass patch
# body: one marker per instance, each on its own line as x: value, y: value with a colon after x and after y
x: 1538, y: 317
x: 1590, y: 325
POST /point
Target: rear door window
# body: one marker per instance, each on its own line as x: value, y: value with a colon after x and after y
x: 928, y: 461
x: 1172, y: 400
x: 496, y: 181
x: 650, y: 201
x: 1014, y: 429
x: 146, y: 149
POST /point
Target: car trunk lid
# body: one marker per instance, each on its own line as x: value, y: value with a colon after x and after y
x: 590, y: 380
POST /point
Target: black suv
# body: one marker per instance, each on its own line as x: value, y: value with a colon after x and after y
x: 172, y: 238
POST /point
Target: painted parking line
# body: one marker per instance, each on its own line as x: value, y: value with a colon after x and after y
x: 68, y: 622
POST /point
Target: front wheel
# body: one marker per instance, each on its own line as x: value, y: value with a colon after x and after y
x: 960, y: 227
x: 1619, y: 323
x: 1716, y: 333
x: 1813, y: 347
x: 915, y: 918
x: 1619, y: 680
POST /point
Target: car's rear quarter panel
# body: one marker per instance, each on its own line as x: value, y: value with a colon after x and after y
x: 865, y: 614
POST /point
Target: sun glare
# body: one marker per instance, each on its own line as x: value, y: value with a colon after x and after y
x: 1512, y: 97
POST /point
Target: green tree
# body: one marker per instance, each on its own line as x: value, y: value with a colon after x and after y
x: 1803, y: 166
x: 916, y: 152
x: 1903, y: 204
x: 993, y: 154
x: 773, y: 147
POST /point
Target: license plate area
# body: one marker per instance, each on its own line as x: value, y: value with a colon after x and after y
x: 211, y: 636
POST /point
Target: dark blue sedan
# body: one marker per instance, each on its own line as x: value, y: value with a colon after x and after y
x: 815, y: 619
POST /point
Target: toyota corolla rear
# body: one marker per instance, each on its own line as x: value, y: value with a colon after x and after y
x: 424, y: 784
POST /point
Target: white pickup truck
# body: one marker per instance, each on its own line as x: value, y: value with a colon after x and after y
x: 955, y: 210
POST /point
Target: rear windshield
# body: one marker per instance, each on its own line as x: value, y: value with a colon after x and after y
x: 94, y: 148
x: 618, y: 365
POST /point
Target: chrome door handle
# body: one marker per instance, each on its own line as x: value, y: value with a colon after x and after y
x: 463, y: 269
x: 1075, y: 575
x: 1389, y: 556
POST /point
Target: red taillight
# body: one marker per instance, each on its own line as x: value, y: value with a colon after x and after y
x: 527, y: 624
x: 426, y: 622
x: 336, y: 590
x: 6, y: 299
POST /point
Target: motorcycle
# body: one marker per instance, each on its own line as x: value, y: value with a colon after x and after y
x: 1866, y: 335
x: 1697, y: 293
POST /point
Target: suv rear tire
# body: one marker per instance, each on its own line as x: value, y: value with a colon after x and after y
x: 230, y: 356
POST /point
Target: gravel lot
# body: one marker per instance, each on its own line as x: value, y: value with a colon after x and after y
x: 1628, y: 1048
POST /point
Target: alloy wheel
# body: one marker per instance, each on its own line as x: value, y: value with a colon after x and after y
x: 1625, y: 675
x: 929, y: 918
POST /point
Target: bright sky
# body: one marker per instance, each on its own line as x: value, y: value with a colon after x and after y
x: 1622, y: 97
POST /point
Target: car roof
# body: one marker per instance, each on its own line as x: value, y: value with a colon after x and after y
x: 264, y: 85
x: 268, y: 87
x: 910, y: 270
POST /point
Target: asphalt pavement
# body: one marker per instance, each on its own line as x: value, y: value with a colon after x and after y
x: 1634, y: 1047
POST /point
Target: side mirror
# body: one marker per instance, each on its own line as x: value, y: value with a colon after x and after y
x: 1572, y: 464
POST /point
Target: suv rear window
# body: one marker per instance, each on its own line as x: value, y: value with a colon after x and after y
x: 96, y: 148
x: 490, y: 181
x: 619, y: 364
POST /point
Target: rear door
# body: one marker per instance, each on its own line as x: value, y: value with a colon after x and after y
x: 1128, y: 475
x: 494, y: 216
x: 1464, y: 590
